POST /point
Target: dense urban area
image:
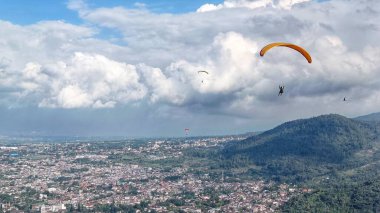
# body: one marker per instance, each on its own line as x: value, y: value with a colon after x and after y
x: 152, y: 175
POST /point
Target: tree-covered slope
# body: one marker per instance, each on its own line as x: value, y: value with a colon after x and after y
x: 301, y: 149
x: 341, y: 196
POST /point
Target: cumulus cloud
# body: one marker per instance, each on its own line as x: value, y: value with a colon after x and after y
x: 158, y: 63
x: 84, y: 80
x: 78, y: 5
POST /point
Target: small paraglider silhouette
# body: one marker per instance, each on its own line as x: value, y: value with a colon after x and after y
x: 282, y: 88
x: 187, y: 130
x: 204, y: 72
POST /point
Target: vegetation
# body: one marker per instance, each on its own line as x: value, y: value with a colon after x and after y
x: 339, y: 196
x: 339, y: 158
x: 109, y: 208
x: 172, y: 178
x: 300, y: 150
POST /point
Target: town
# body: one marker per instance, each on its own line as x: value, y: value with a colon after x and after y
x: 151, y: 175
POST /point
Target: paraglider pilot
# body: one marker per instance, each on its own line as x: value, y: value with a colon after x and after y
x: 281, y: 90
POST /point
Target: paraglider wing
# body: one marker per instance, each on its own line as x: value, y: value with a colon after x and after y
x: 289, y: 45
x: 203, y: 71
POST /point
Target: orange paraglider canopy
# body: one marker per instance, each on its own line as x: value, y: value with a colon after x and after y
x: 293, y: 46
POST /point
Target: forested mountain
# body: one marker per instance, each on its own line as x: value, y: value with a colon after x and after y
x: 302, y: 149
x: 338, y: 157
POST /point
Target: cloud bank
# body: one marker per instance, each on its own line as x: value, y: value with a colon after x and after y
x: 153, y: 59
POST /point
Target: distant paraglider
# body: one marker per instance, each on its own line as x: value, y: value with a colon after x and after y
x: 187, y: 130
x: 204, y: 72
x: 289, y: 45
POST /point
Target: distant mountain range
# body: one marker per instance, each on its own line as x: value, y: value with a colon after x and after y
x: 369, y: 117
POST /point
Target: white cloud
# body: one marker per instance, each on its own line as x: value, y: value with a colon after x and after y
x: 140, y: 5
x: 78, y: 5
x: 56, y: 64
x: 250, y: 4
x: 72, y: 96
x: 84, y: 80
x: 161, y: 86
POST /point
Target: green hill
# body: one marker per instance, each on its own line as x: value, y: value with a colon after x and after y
x: 337, y: 157
x: 304, y: 149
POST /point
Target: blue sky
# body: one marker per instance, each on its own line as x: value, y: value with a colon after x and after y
x: 28, y: 12
x: 117, y: 68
